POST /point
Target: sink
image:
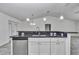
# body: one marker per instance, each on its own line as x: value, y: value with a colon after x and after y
x: 38, y: 35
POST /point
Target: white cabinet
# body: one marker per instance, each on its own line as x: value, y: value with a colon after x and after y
x: 38, y: 46
x: 33, y: 46
x: 61, y: 46
x: 46, y: 46
x: 58, y: 46
x: 53, y: 46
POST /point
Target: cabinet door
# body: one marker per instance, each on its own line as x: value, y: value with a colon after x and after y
x: 33, y: 46
x: 44, y: 46
x: 39, y: 46
x: 20, y: 47
x: 53, y: 46
x: 61, y: 46
x: 58, y: 46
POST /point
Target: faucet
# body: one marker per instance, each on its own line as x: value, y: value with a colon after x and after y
x: 39, y: 33
x: 38, y: 29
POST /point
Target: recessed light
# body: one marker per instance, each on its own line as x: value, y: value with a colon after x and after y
x: 44, y: 19
x: 61, y: 17
x: 27, y: 19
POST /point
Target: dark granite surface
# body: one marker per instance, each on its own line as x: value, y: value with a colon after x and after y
x: 43, y: 34
x: 35, y: 37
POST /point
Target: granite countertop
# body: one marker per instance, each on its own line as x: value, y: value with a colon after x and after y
x: 16, y: 36
x: 43, y: 34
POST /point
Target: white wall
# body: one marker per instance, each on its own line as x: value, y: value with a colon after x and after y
x: 77, y: 26
x: 4, y: 31
x: 57, y: 24
x: 3, y: 28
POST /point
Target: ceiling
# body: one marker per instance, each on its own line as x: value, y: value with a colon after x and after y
x: 22, y: 11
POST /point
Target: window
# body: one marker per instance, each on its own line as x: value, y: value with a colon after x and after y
x: 47, y: 27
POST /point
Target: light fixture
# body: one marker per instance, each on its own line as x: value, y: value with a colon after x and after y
x: 32, y: 24
x: 61, y: 17
x: 44, y: 19
x: 27, y: 19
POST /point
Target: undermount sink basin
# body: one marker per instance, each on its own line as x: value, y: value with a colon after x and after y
x: 38, y: 35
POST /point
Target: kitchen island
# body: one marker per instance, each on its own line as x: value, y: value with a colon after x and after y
x: 40, y: 43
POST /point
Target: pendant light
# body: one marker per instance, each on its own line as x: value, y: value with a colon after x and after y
x: 61, y: 17
x: 44, y: 19
x: 27, y: 19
